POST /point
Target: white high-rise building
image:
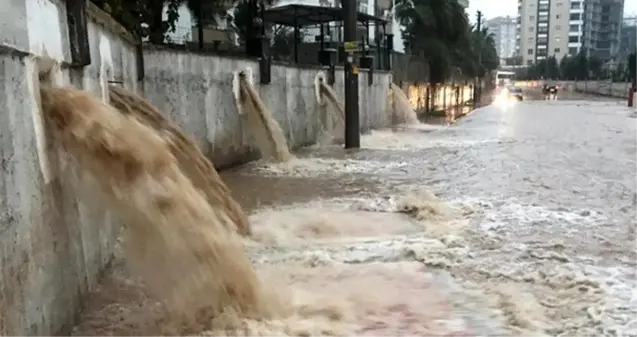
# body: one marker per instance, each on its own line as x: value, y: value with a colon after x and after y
x: 566, y: 27
x: 503, y: 29
x: 549, y: 28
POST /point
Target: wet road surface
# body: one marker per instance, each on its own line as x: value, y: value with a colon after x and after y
x: 550, y: 192
x: 531, y: 229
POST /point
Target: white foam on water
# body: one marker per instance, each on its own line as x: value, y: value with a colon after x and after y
x: 420, y: 127
x: 308, y: 167
x: 555, y: 287
x: 392, y: 140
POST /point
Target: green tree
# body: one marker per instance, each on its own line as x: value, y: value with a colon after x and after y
x: 145, y: 19
x: 439, y: 31
x: 281, y: 37
x: 436, y: 30
x: 487, y: 60
x: 581, y: 66
x: 552, y: 68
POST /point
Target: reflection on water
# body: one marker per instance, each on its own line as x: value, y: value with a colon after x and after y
x: 528, y: 231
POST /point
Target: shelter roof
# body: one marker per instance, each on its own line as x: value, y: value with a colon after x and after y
x: 306, y: 15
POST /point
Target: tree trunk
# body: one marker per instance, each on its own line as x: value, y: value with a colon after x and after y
x: 155, y: 21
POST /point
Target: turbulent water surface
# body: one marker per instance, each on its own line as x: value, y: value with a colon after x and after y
x: 517, y: 220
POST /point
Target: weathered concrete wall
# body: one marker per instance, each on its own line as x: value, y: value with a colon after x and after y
x: 604, y: 88
x: 52, y: 245
x: 196, y: 91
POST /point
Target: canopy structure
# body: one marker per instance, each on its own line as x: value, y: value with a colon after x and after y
x: 306, y: 15
x: 298, y: 16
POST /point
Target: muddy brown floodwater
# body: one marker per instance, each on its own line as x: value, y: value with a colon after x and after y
x: 519, y: 219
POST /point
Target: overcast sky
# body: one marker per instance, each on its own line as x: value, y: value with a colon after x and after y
x: 493, y: 8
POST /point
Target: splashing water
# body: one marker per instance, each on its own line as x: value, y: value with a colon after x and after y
x: 402, y: 113
x: 334, y: 122
x: 269, y: 136
x: 324, y: 296
x: 190, y: 159
x: 176, y: 241
x: 332, y: 98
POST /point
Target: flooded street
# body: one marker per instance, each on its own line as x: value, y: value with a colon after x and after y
x: 517, y: 220
x: 542, y: 242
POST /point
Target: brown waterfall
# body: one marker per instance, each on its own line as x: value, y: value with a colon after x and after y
x: 177, y: 240
x: 270, y: 139
x: 189, y: 157
x: 333, y: 100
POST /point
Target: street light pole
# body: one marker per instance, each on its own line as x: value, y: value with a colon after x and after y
x: 477, y: 90
x: 352, y: 127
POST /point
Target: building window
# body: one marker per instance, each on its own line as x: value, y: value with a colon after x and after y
x: 575, y: 5
x: 531, y: 17
x: 530, y: 40
x: 559, y: 4
x: 575, y: 17
x: 558, y: 27
x: 573, y: 28
x: 556, y: 50
x: 572, y: 51
x: 541, y: 52
x: 557, y: 16
x: 544, y: 7
x: 542, y: 40
x: 542, y: 29
x: 529, y: 62
x: 573, y: 39
x: 531, y: 29
x: 529, y: 51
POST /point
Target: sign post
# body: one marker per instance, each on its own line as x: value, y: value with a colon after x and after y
x: 351, y: 45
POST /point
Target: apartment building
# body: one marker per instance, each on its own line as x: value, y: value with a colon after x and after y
x: 503, y: 29
x: 548, y: 28
x: 566, y: 27
x: 602, y: 28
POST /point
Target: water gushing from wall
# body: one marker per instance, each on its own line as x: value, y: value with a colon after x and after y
x: 327, y: 92
x: 176, y: 240
x: 265, y: 129
x: 402, y: 112
x: 188, y: 155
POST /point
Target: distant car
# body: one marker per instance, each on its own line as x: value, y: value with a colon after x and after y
x: 550, y: 90
x: 515, y: 92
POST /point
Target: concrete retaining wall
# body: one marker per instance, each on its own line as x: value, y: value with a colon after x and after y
x: 196, y: 91
x: 52, y: 245
x: 604, y: 88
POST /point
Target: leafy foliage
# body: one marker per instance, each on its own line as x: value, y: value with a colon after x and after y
x: 281, y: 37
x: 439, y: 31
x: 144, y: 18
x: 578, y: 67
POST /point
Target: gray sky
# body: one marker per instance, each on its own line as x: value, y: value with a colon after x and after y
x: 493, y: 8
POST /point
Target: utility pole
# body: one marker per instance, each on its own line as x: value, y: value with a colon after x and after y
x: 477, y: 91
x: 352, y: 127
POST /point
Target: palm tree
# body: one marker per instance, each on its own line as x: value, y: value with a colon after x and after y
x: 434, y: 29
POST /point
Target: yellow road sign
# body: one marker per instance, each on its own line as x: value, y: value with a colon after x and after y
x: 351, y: 46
